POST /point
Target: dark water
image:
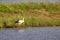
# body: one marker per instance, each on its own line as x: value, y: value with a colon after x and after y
x: 30, y: 34
x: 29, y: 0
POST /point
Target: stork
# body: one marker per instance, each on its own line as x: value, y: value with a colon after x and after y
x: 20, y: 21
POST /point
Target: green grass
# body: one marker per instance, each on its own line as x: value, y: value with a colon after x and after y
x: 18, y: 7
x: 31, y: 21
x: 9, y: 13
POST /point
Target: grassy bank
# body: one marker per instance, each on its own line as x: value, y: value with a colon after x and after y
x: 35, y: 14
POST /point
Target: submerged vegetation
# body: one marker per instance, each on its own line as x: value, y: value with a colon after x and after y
x: 35, y: 14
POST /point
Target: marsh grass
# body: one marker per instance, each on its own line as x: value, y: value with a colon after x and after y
x: 18, y: 7
x: 35, y: 14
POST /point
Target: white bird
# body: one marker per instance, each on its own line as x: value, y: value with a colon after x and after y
x: 20, y: 21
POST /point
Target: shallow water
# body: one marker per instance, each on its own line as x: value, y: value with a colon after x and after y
x: 30, y: 34
x: 29, y: 0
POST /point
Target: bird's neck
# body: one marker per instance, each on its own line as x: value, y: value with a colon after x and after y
x: 23, y: 18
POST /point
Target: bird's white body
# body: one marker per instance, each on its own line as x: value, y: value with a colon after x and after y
x: 21, y: 21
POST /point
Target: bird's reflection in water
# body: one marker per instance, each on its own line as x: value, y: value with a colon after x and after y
x: 21, y: 30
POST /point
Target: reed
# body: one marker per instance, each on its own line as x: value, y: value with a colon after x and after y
x: 35, y: 14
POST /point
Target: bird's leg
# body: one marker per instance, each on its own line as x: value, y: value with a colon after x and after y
x: 23, y: 25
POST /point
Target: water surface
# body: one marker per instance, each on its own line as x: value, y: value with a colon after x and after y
x: 30, y: 34
x: 29, y: 0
